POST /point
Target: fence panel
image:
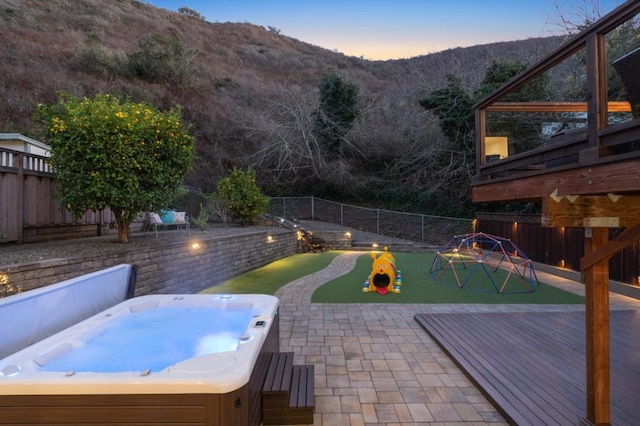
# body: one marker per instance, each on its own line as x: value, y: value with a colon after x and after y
x: 430, y: 230
x: 327, y: 211
x: 563, y: 247
x: 28, y: 202
x: 291, y: 207
x: 361, y: 218
x: 10, y: 220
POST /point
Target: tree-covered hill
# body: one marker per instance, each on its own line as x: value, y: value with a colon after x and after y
x: 251, y: 94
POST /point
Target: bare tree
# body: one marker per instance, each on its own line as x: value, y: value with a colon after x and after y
x: 288, y: 147
x: 573, y: 16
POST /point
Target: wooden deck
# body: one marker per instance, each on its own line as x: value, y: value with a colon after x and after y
x: 532, y: 366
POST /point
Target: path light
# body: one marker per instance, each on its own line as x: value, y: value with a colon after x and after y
x: 270, y: 239
x: 195, y: 246
x: 347, y: 235
x: 562, y: 263
x: 374, y: 245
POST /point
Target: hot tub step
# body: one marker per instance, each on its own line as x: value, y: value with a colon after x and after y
x: 288, y: 392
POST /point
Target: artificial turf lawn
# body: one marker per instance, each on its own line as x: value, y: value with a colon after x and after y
x: 418, y: 286
x: 269, y: 278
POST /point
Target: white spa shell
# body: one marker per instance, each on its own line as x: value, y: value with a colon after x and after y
x: 223, y: 372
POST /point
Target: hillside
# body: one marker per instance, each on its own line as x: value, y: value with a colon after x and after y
x: 243, y: 88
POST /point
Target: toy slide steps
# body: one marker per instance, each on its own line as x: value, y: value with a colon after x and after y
x: 288, y: 392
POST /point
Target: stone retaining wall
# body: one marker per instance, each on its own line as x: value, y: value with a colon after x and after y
x: 334, y: 240
x: 171, y: 268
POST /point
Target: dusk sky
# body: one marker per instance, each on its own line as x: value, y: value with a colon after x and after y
x: 384, y: 29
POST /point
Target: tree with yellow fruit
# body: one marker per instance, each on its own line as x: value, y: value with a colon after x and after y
x: 110, y: 152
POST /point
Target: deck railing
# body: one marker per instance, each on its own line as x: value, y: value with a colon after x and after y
x: 523, y: 131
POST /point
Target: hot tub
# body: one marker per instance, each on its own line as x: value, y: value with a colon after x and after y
x: 151, y: 359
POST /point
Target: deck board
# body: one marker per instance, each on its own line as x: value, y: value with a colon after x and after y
x: 532, y: 365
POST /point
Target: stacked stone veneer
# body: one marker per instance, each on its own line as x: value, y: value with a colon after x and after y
x: 169, y: 268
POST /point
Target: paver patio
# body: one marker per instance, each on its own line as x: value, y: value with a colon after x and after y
x: 376, y: 365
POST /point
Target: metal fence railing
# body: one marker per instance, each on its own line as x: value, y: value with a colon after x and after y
x: 426, y: 229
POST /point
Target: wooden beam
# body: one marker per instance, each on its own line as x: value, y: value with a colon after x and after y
x: 616, y: 177
x: 608, y: 22
x: 597, y: 332
x: 612, y: 211
x: 604, y: 252
x: 612, y: 106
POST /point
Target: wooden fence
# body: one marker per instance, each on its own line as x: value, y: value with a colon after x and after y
x: 557, y: 246
x: 29, y: 210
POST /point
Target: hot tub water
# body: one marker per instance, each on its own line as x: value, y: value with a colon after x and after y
x: 153, y: 340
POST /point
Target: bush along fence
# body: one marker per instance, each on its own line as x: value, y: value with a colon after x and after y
x: 425, y: 229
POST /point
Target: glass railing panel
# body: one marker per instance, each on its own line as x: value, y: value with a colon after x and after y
x: 623, y: 71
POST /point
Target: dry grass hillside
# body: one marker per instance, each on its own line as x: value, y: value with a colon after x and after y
x: 239, y: 85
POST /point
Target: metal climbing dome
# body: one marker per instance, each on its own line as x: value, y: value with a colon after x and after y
x: 484, y: 263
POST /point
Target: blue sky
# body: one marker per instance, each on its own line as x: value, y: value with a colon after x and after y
x: 392, y: 29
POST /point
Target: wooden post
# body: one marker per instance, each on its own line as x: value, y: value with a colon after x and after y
x: 19, y: 164
x: 597, y: 331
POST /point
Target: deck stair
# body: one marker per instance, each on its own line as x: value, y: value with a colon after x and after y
x: 288, y: 392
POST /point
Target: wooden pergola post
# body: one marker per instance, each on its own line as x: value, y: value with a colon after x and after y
x: 596, y: 278
x: 595, y: 267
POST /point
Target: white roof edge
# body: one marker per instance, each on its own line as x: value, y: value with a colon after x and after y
x: 20, y: 137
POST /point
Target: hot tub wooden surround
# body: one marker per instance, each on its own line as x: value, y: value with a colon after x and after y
x: 241, y: 407
x: 288, y: 392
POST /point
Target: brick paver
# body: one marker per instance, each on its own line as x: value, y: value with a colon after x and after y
x: 375, y: 365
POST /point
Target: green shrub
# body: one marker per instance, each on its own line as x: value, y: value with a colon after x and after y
x: 163, y: 60
x: 97, y: 61
x: 242, y: 195
x: 202, y: 220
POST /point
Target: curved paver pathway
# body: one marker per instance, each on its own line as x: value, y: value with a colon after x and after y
x: 373, y: 363
x: 298, y: 292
